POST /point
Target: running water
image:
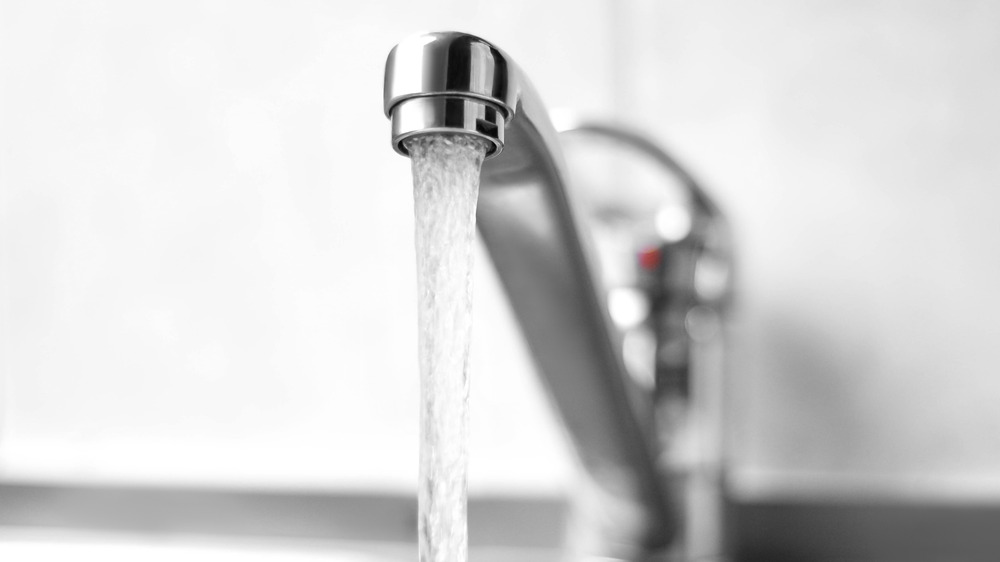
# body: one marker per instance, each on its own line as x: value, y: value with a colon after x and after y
x: 446, y: 188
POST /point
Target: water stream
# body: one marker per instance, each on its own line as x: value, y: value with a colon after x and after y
x: 446, y: 188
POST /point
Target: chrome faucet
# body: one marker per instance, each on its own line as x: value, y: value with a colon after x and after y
x: 457, y: 83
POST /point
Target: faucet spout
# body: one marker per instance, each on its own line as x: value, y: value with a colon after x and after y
x: 458, y: 83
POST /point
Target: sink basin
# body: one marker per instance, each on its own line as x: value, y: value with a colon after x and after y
x: 52, y: 545
x: 59, y: 545
x: 43, y: 522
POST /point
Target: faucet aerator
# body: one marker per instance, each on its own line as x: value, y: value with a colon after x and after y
x: 446, y: 114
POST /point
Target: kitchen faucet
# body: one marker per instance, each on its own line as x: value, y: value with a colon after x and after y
x: 449, y: 82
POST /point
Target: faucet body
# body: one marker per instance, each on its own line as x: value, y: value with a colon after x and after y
x: 459, y: 83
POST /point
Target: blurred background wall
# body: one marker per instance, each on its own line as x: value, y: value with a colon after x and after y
x: 207, y: 259
x: 855, y: 146
x: 206, y: 264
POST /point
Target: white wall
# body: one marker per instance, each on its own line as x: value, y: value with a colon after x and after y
x: 205, y: 240
x: 855, y: 145
x: 206, y: 260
